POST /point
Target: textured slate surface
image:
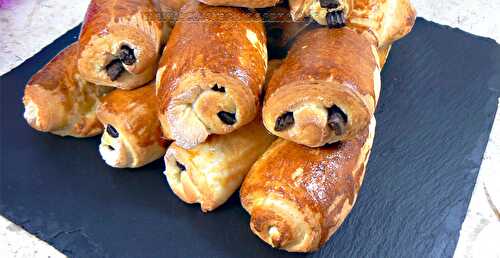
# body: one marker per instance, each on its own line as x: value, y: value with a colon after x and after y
x: 440, y: 88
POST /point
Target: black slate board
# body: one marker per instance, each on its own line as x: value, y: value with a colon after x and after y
x: 440, y: 88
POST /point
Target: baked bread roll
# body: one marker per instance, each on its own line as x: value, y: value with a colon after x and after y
x: 242, y: 3
x: 212, y: 171
x: 133, y: 135
x: 120, y: 43
x: 384, y: 20
x: 326, y: 89
x: 298, y: 196
x: 211, y: 72
x: 59, y: 101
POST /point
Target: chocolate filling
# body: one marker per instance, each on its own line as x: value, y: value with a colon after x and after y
x: 219, y: 89
x: 112, y: 131
x: 114, y: 69
x: 180, y: 166
x: 126, y: 55
x: 227, y: 118
x: 337, y: 120
x: 335, y: 19
x: 284, y: 122
x: 330, y: 4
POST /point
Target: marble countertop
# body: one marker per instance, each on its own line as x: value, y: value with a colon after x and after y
x: 28, y: 26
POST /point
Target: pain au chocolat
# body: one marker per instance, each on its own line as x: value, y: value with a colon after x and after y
x: 133, y: 135
x: 211, y: 73
x: 59, y: 101
x: 298, y: 196
x: 325, y: 90
x: 120, y: 42
x: 212, y: 171
x: 385, y: 20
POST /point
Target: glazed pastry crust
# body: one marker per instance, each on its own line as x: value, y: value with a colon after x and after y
x: 298, y: 196
x: 208, y: 46
x: 242, y: 3
x: 215, y: 168
x: 57, y: 100
x: 111, y: 24
x: 324, y: 68
x: 133, y: 113
x: 384, y: 21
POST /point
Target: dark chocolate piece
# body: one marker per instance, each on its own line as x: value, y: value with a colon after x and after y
x: 227, y: 118
x: 115, y: 69
x: 284, y: 122
x: 330, y: 4
x: 126, y: 55
x: 219, y: 89
x: 180, y: 166
x: 112, y: 131
x: 335, y: 19
x: 337, y: 120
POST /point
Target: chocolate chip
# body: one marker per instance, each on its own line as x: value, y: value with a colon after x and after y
x: 112, y: 131
x: 126, y: 55
x: 284, y: 122
x: 111, y: 147
x: 227, y: 118
x: 219, y: 89
x: 330, y: 4
x: 114, y: 69
x: 337, y: 120
x: 335, y: 19
x: 180, y: 166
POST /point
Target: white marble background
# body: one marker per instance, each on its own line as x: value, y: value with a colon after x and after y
x: 29, y: 25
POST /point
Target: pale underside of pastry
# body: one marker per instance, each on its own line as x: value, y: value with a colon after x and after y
x: 212, y: 171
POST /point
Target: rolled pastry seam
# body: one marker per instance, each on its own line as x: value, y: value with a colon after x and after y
x: 299, y: 196
x: 384, y: 21
x: 59, y: 101
x: 120, y: 43
x: 242, y: 3
x: 383, y: 54
x: 211, y: 72
x: 281, y: 29
x: 133, y: 135
x: 326, y: 90
x: 212, y: 171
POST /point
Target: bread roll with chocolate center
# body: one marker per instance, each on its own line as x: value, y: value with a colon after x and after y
x: 120, y: 42
x: 298, y: 196
x: 211, y: 72
x: 212, y: 171
x: 384, y: 20
x: 326, y: 89
x: 59, y: 101
x: 133, y: 135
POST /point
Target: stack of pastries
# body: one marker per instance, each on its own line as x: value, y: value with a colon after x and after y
x: 193, y: 82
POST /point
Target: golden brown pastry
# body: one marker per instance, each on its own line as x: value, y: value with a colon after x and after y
x: 326, y: 89
x: 120, y: 43
x: 299, y: 196
x: 211, y: 72
x: 58, y: 100
x: 281, y: 29
x: 133, y: 135
x: 384, y: 20
x: 242, y: 3
x: 212, y: 171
